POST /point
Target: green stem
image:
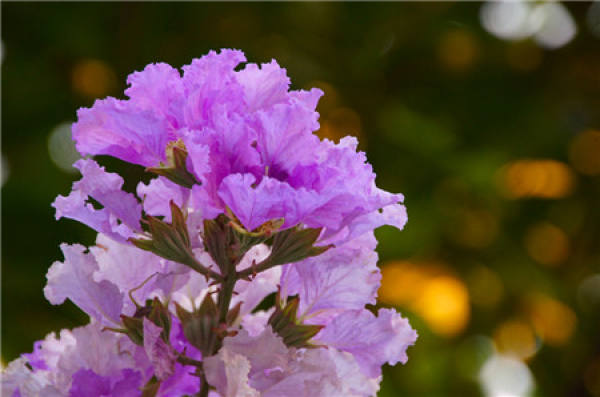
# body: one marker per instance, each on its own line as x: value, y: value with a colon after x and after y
x: 261, y: 267
x: 205, y: 388
x: 194, y: 264
x: 225, y: 295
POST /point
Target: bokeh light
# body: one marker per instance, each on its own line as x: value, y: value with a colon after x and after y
x: 93, y: 78
x: 547, y: 244
x: 339, y: 123
x: 505, y: 376
x: 584, y: 152
x: 458, y: 49
x: 536, y: 178
x: 553, y: 321
x: 402, y: 281
x: 444, y: 305
x: 439, y: 298
x: 62, y: 148
x: 516, y: 338
x: 507, y: 19
x: 549, y: 24
x: 556, y: 25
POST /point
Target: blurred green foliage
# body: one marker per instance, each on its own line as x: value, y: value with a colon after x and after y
x: 440, y: 106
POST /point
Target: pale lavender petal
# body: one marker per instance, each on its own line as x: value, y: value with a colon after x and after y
x: 198, y: 157
x: 73, y: 279
x: 74, y: 206
x: 271, y: 199
x: 84, y: 348
x: 121, y: 214
x: 36, y: 358
x: 211, y: 88
x: 159, y: 353
x: 345, y: 184
x: 157, y: 195
x: 97, y: 350
x: 251, y: 293
x: 264, y: 86
x: 199, y: 71
x: 372, y: 340
x: 255, y: 323
x: 393, y: 215
x: 105, y: 188
x: 342, y: 278
x: 285, y: 138
x: 324, y: 373
x: 267, y: 354
x: 275, y: 370
x: 230, y: 150
x: 120, y: 129
x: 48, y: 351
x: 18, y: 380
x: 158, y: 88
x: 128, y: 267
x: 228, y: 373
x: 310, y: 98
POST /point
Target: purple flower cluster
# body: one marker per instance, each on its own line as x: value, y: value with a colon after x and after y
x: 234, y: 145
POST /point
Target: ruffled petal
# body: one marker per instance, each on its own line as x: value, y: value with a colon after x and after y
x: 120, y: 129
x: 264, y: 86
x: 105, y: 187
x: 88, y: 383
x: 73, y: 279
x: 251, y: 293
x: 285, y: 137
x: 128, y: 267
x: 158, y: 88
x: 269, y: 200
x: 264, y: 364
x: 342, y: 278
x: 228, y: 373
x: 161, y: 355
x: 157, y: 195
x: 310, y: 98
x: 372, y: 340
x: 345, y: 184
x: 211, y: 88
x: 121, y: 214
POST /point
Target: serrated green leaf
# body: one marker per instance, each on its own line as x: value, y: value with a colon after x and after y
x: 175, y: 168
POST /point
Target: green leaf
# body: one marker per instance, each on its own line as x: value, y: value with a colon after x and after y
x: 219, y: 242
x: 286, y: 324
x: 175, y: 169
x: 169, y: 240
x: 151, y: 387
x: 155, y: 311
x: 199, y: 326
x: 161, y: 317
x: 294, y: 244
x: 134, y: 328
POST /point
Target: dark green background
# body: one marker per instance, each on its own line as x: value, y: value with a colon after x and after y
x: 423, y: 123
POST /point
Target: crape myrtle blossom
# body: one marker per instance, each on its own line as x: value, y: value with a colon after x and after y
x: 247, y: 203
